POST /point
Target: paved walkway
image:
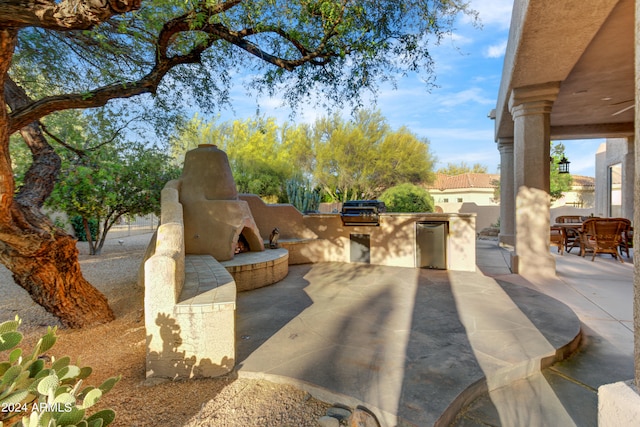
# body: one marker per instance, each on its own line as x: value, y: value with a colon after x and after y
x: 420, y: 347
x: 601, y: 294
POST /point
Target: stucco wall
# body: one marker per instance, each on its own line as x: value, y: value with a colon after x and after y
x: 323, y: 237
x: 480, y: 196
x: 615, y: 150
x: 618, y: 405
x: 185, y: 338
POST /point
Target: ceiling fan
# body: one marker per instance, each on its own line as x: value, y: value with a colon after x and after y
x: 625, y: 108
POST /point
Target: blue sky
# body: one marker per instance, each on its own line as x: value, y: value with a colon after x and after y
x: 453, y: 115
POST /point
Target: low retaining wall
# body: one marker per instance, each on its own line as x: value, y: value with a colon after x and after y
x: 189, y: 303
x: 323, y: 238
x: 253, y: 270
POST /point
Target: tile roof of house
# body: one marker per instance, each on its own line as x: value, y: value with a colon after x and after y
x: 465, y: 180
x: 485, y: 180
x: 583, y: 181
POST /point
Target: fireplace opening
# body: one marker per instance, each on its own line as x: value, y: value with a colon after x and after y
x: 248, y: 240
x: 242, y: 245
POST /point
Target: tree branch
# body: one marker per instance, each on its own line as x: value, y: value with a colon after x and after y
x: 98, y: 97
x: 65, y: 15
x: 21, y: 116
x: 43, y: 172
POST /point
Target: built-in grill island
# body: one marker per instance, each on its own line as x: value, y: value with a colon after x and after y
x: 362, y: 212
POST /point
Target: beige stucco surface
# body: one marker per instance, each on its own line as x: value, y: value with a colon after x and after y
x: 323, y: 238
x: 214, y: 217
x: 618, y: 405
x: 189, y: 304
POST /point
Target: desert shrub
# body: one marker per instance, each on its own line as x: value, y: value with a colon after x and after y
x: 407, y: 198
x: 78, y: 228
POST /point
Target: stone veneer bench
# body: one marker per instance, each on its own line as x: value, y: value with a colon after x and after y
x: 208, y: 286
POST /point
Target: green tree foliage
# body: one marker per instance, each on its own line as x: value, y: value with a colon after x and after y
x: 348, y: 160
x: 262, y: 155
x: 360, y: 158
x: 407, y: 198
x: 559, y: 182
x: 459, y: 168
x: 109, y: 183
x: 294, y: 48
x: 80, y: 228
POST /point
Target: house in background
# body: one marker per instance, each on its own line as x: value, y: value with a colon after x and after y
x: 582, y: 194
x: 478, y: 188
x: 467, y: 193
x: 476, y: 193
x: 614, y: 178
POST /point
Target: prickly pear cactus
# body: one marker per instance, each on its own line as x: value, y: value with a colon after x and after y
x: 35, y: 393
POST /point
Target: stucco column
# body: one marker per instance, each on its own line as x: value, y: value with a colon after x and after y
x: 507, y: 197
x: 530, y: 107
x: 628, y: 178
x: 636, y: 214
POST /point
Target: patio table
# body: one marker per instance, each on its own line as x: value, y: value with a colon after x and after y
x: 573, y: 235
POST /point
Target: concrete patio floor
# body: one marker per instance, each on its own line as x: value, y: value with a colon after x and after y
x: 422, y: 347
x: 600, y: 292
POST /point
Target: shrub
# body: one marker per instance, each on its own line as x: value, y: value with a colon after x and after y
x: 78, y: 228
x: 34, y: 392
x: 407, y: 198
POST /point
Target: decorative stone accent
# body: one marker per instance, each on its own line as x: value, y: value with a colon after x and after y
x: 253, y: 270
x: 362, y: 417
x: 339, y: 415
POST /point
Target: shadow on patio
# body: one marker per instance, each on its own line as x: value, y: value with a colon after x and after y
x: 408, y: 343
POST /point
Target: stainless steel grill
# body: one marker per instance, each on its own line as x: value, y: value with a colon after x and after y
x: 362, y: 212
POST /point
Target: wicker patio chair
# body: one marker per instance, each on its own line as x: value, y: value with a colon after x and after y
x: 557, y: 238
x: 564, y: 219
x: 603, y: 235
x: 626, y: 241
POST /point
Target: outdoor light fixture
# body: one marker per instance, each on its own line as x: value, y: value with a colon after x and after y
x: 563, y: 165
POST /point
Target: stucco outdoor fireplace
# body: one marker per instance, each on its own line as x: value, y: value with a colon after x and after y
x: 216, y: 221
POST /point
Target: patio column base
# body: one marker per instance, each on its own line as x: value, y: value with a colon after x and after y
x: 533, y: 265
x: 618, y: 405
x: 507, y: 239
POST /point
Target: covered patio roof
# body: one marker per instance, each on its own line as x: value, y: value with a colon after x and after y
x: 589, y: 49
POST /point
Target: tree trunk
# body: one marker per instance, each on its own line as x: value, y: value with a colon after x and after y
x: 42, y: 258
x: 89, y: 237
x: 52, y: 276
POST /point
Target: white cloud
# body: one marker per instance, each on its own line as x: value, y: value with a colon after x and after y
x: 496, y: 50
x: 471, y: 95
x: 458, y: 39
x: 493, y: 12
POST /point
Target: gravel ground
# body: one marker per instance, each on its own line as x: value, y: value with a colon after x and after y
x: 118, y: 348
